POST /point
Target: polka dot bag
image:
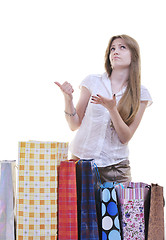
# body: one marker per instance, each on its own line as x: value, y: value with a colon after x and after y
x: 109, y: 211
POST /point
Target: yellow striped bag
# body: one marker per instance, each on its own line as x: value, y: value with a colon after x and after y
x: 37, y: 184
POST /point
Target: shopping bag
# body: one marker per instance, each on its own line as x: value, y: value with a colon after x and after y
x: 6, y: 201
x: 87, y: 215
x: 110, y: 213
x: 133, y: 207
x: 37, y: 185
x: 156, y: 216
x: 67, y: 202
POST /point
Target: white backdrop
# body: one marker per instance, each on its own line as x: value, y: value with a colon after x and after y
x: 46, y: 41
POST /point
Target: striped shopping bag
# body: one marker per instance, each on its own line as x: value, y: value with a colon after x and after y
x: 37, y: 184
x: 67, y: 202
x: 134, y: 209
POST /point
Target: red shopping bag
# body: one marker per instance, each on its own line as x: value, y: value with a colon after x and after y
x: 67, y: 202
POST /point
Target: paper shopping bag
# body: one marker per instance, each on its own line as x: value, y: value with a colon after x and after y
x: 6, y: 201
x: 67, y: 202
x: 132, y: 201
x: 37, y: 185
x: 87, y: 215
x: 156, y: 216
x: 109, y: 211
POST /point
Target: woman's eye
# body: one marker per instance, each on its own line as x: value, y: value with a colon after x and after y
x: 112, y: 49
x: 123, y: 47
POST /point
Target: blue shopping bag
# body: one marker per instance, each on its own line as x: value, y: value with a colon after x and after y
x: 109, y: 211
x: 107, y: 208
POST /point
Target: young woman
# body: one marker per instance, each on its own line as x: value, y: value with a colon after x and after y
x: 109, y: 110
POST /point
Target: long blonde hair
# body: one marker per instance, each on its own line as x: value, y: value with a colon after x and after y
x: 129, y: 103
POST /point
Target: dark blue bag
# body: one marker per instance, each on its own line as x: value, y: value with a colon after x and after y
x: 87, y: 214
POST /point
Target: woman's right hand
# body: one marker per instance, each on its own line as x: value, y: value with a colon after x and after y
x: 67, y: 89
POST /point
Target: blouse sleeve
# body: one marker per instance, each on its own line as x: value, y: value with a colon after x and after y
x: 145, y: 95
x: 88, y: 83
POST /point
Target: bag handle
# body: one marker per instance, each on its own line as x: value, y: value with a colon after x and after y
x: 97, y: 173
x: 105, y: 184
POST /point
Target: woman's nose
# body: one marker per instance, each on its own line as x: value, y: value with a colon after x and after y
x: 116, y: 51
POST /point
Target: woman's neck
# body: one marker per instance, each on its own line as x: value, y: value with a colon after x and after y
x: 119, y: 79
x: 120, y: 76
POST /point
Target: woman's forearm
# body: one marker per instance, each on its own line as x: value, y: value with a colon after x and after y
x: 71, y: 115
x: 123, y: 131
x: 121, y: 128
x: 70, y: 112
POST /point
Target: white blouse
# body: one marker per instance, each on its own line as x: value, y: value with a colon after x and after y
x: 95, y: 139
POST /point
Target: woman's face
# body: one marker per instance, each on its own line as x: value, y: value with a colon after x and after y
x: 120, y: 55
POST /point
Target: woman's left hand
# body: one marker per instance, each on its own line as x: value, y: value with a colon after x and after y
x: 106, y: 102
